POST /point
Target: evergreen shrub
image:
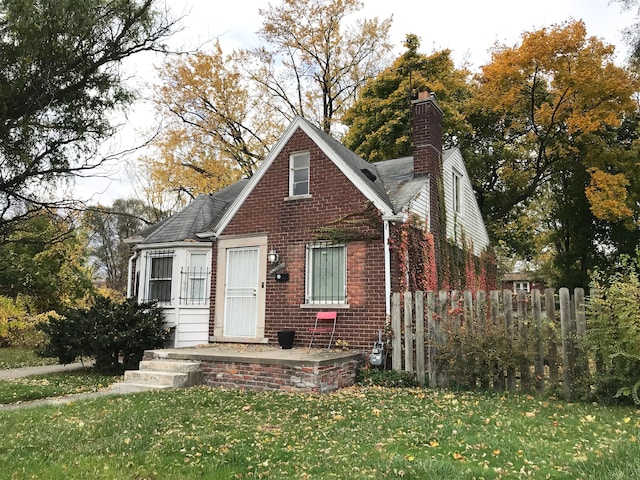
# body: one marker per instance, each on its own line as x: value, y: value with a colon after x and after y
x: 114, y: 333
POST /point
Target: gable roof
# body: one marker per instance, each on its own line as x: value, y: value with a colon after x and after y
x: 201, y: 214
x: 390, y: 185
x: 361, y: 173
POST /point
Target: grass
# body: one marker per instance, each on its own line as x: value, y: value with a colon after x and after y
x: 16, y: 357
x: 359, y: 433
x: 53, y: 385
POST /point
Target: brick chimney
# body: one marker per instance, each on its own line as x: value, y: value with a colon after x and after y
x: 427, y: 135
x: 427, y: 154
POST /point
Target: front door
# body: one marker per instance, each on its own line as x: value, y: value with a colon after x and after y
x: 241, y: 292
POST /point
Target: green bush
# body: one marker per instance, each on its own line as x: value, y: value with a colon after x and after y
x: 115, y: 333
x: 385, y: 378
x: 613, y: 330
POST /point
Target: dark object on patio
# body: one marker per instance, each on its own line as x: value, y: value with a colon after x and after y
x: 327, y: 321
x: 285, y: 338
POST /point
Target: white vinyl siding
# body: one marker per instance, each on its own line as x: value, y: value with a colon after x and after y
x: 419, y: 206
x: 468, y: 222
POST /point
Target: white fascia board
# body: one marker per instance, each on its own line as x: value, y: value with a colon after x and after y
x: 166, y: 245
x: 251, y: 184
x: 359, y: 183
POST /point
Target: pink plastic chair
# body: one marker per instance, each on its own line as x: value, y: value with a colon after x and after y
x: 325, y: 323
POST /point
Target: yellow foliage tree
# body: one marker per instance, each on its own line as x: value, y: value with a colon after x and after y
x: 540, y: 97
x: 544, y: 112
x: 221, y: 113
x: 215, y: 128
x: 607, y: 195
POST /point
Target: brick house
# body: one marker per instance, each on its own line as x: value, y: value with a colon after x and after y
x: 523, y: 280
x: 308, y: 232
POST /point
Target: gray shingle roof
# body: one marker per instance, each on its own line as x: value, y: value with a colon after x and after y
x: 392, y: 181
x: 399, y: 182
x: 204, y: 212
x: 358, y: 165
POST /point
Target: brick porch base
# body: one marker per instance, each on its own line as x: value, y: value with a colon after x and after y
x: 269, y: 368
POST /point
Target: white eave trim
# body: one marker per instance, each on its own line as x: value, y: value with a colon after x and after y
x: 160, y: 246
x: 298, y: 122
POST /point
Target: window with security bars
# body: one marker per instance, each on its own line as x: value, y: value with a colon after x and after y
x: 160, y: 273
x: 194, y: 278
x: 326, y: 274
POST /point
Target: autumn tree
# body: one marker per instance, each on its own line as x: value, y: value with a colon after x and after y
x: 217, y: 128
x: 380, y: 120
x: 44, y: 263
x: 313, y: 62
x: 545, y: 114
x: 107, y: 229
x: 223, y: 111
x: 60, y: 81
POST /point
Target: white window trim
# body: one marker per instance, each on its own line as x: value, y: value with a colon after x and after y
x: 150, y: 258
x: 308, y: 278
x: 521, y: 283
x: 292, y: 158
x: 187, y: 299
x: 457, y: 193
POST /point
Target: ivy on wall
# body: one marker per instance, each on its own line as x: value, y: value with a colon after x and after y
x: 361, y: 225
x: 458, y: 269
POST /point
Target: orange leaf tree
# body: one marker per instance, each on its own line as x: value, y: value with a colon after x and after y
x: 543, y: 113
x: 215, y: 128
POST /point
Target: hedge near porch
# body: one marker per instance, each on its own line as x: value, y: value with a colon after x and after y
x: 115, y: 334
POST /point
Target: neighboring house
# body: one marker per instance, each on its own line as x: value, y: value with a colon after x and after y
x: 526, y: 281
x: 308, y: 232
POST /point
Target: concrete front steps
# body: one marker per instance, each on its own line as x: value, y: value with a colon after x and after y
x: 160, y: 375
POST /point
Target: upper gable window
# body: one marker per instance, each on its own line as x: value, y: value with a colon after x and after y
x: 299, y: 174
x: 456, y: 182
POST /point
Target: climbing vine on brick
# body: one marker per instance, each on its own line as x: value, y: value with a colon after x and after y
x: 458, y: 269
x: 364, y: 224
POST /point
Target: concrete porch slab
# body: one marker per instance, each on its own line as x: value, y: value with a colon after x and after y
x: 267, y: 355
x: 260, y: 367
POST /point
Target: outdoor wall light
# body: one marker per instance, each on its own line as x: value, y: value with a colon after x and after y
x: 272, y: 256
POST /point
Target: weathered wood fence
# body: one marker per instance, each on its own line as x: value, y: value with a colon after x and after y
x: 502, y: 340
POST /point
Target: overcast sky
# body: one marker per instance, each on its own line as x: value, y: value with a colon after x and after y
x: 469, y: 28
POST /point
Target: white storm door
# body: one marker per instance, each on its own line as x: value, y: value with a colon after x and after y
x: 241, y: 292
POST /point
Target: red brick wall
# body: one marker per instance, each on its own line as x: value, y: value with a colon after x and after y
x: 427, y: 152
x: 292, y: 378
x: 290, y: 226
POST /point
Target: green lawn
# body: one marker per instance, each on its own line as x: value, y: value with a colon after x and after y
x: 16, y: 357
x: 53, y: 385
x: 356, y: 433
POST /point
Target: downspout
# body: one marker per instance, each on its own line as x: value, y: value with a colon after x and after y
x: 387, y: 271
x: 387, y: 261
x: 129, y: 272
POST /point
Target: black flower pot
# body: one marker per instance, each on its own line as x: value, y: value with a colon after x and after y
x: 285, y: 338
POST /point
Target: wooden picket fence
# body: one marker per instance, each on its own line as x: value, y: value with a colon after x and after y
x: 426, y: 326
